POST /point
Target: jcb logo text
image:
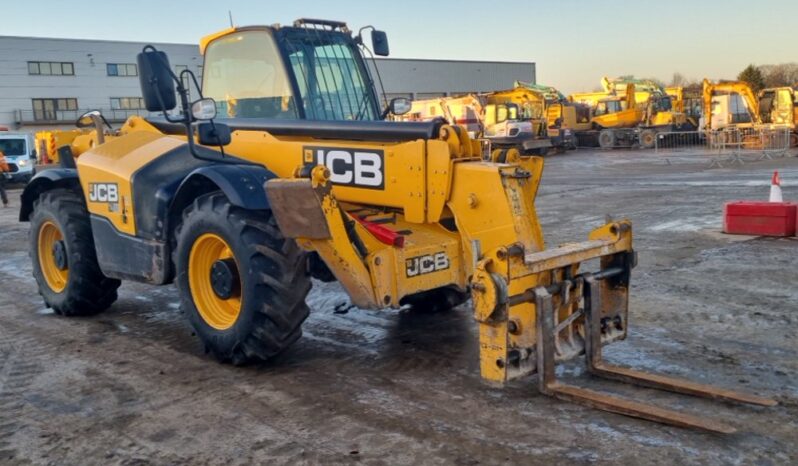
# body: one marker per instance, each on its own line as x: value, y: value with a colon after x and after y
x: 103, y: 192
x: 426, y: 264
x: 350, y: 167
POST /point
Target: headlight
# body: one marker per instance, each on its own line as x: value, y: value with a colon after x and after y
x: 23, y: 163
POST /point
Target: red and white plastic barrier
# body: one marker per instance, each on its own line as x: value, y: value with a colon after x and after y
x: 773, y: 218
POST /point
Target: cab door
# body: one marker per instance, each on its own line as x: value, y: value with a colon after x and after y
x: 783, y: 107
x: 496, y: 118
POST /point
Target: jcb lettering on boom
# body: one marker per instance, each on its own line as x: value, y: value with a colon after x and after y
x: 350, y: 167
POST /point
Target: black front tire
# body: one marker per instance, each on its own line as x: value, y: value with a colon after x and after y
x: 273, y: 280
x: 87, y: 290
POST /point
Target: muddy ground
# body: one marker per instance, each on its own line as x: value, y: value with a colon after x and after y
x: 132, y: 385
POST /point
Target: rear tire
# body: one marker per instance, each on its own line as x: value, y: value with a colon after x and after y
x: 607, y: 139
x: 574, y: 142
x: 63, y: 256
x: 263, y: 312
x: 648, y: 138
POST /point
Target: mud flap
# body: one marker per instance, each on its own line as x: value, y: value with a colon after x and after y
x: 297, y: 207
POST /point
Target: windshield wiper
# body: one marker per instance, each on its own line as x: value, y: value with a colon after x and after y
x: 362, y: 107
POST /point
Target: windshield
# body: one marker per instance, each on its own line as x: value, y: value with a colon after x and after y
x: 330, y: 76
x: 665, y: 104
x: 532, y: 110
x: 609, y: 106
x: 12, y: 147
x: 244, y: 74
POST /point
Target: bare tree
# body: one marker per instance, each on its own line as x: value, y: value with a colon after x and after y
x: 784, y: 74
x: 678, y: 79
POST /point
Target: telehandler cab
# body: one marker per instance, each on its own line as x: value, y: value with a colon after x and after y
x: 301, y: 178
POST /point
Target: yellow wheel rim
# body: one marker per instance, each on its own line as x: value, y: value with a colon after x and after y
x: 218, y: 312
x: 50, y: 238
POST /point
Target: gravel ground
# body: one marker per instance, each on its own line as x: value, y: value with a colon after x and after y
x: 132, y: 385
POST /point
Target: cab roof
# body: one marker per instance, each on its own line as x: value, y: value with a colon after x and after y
x: 307, y: 23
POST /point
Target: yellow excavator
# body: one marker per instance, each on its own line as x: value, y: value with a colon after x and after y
x: 687, y: 100
x: 778, y: 108
x: 729, y: 105
x: 279, y: 173
x: 564, y: 119
x: 516, y: 118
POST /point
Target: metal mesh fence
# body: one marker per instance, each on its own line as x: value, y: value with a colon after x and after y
x: 731, y: 145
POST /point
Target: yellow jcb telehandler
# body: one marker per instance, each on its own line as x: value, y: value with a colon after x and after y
x: 300, y: 178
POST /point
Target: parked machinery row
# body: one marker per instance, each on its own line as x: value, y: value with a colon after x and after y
x: 528, y: 119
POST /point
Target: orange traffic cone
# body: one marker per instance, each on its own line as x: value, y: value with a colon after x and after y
x: 775, y: 188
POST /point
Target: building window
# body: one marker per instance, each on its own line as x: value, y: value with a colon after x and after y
x: 47, y: 109
x: 51, y: 68
x: 122, y: 69
x: 127, y: 103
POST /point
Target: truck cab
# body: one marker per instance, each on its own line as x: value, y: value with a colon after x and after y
x: 20, y: 154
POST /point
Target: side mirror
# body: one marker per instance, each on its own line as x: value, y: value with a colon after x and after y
x: 379, y: 43
x: 155, y: 78
x: 399, y: 105
x: 93, y: 119
x: 87, y: 119
x: 213, y: 134
x: 204, y: 109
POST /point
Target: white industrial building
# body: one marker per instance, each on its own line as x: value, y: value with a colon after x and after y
x: 47, y: 83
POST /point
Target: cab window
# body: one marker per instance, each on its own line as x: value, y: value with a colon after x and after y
x: 501, y: 113
x: 244, y: 73
x: 331, y: 81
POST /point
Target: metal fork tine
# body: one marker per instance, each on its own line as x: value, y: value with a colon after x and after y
x: 597, y: 366
x: 676, y: 385
x: 636, y: 409
x: 546, y: 335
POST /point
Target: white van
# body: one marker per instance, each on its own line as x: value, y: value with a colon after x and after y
x: 20, y: 153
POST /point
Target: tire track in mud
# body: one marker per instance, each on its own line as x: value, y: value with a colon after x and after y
x: 29, y: 355
x: 202, y: 389
x: 51, y: 441
x: 19, y: 367
x: 366, y: 417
